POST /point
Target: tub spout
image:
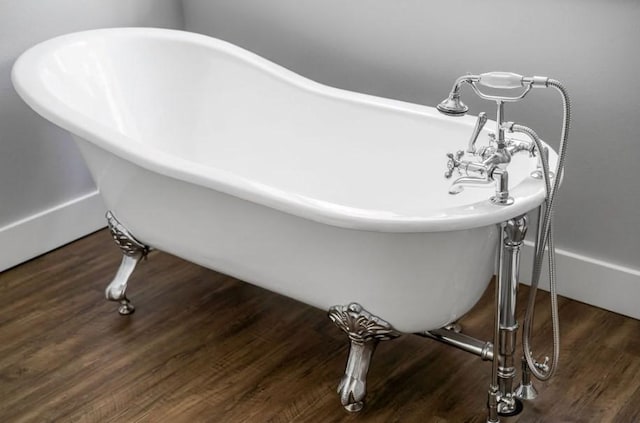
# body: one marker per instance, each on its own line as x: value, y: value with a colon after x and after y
x: 458, y: 185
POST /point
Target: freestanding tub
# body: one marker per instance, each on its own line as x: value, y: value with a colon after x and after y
x: 214, y: 154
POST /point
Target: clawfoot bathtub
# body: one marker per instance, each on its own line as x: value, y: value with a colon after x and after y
x: 337, y: 199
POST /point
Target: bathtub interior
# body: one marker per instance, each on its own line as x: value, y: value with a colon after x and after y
x: 204, y: 102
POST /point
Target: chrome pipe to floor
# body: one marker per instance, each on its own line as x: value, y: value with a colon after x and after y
x: 502, y: 399
x: 513, y: 232
x: 483, y: 349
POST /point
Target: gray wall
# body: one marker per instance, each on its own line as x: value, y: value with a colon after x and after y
x: 40, y: 167
x: 414, y: 49
x: 404, y: 49
x: 39, y: 164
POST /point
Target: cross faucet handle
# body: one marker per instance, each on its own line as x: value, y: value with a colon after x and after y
x: 453, y: 163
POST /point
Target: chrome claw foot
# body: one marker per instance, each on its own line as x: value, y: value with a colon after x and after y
x: 115, y: 291
x: 133, y: 251
x: 364, y: 331
x: 353, y: 385
x: 126, y: 307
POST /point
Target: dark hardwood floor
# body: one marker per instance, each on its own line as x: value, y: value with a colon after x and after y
x: 203, y: 347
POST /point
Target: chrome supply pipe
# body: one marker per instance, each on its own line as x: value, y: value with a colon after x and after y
x: 526, y: 390
x: 483, y: 349
x: 513, y: 233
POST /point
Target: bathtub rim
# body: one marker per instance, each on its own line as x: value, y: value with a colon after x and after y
x: 528, y: 194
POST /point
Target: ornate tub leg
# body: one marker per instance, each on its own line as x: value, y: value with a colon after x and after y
x: 364, y: 331
x: 133, y: 251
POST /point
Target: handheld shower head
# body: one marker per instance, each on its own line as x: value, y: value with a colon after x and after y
x: 452, y: 105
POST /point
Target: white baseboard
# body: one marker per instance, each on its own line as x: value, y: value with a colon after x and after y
x: 596, y: 282
x: 50, y: 229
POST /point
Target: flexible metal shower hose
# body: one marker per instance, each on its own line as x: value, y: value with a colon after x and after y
x: 544, y: 240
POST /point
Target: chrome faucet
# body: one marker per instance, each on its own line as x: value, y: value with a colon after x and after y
x: 482, y: 173
x: 489, y: 163
x: 478, y: 166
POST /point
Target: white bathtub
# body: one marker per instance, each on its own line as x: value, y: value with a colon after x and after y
x: 209, y: 152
